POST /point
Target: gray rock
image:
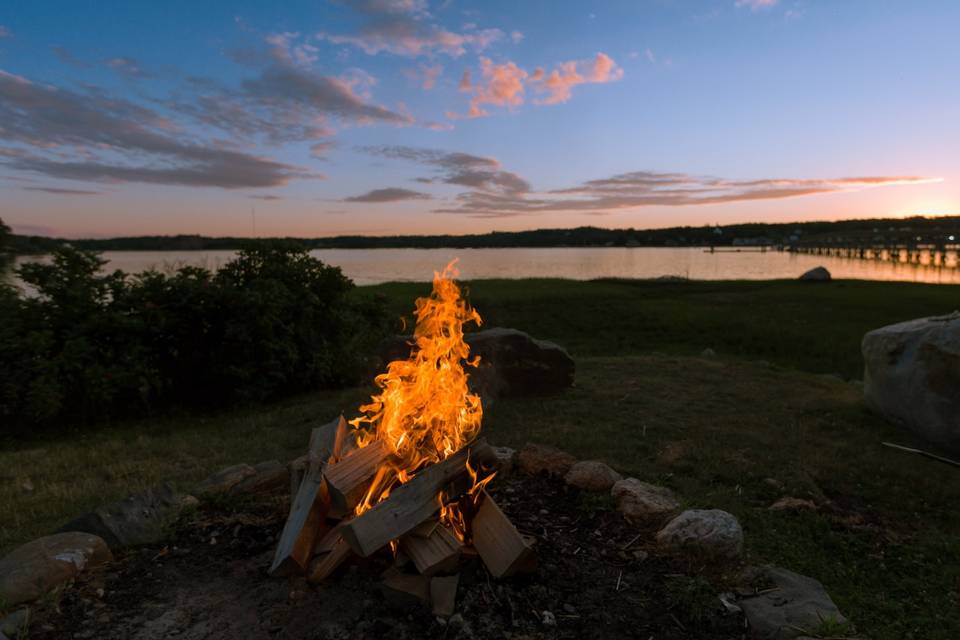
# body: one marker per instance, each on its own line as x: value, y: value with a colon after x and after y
x: 15, y: 624
x: 540, y: 458
x: 225, y: 479
x: 796, y: 609
x: 592, y: 475
x: 38, y: 566
x: 912, y: 376
x: 137, y: 519
x: 817, y: 274
x: 512, y: 363
x: 271, y: 477
x: 708, y: 353
x: 712, y: 533
x: 644, y: 501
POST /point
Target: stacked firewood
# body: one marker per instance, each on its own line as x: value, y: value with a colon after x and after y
x: 322, y: 532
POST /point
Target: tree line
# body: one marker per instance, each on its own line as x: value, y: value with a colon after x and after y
x: 87, y: 345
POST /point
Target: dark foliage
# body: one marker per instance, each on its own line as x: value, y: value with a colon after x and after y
x: 273, y: 321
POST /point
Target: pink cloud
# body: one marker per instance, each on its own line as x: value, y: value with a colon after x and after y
x: 756, y: 5
x: 500, y: 85
x: 559, y: 83
x: 504, y: 85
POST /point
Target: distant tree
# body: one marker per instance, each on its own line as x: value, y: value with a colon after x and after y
x: 5, y: 236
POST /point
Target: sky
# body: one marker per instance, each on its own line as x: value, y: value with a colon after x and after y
x: 381, y: 117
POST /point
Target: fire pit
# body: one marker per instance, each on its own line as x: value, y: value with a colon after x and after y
x: 407, y: 476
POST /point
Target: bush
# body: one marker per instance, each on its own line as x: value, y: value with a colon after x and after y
x: 271, y: 322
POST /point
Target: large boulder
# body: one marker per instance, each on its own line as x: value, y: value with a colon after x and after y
x: 137, y: 519
x: 592, y: 475
x: 796, y: 606
x: 512, y: 364
x: 912, y: 376
x: 711, y: 533
x: 817, y: 274
x: 644, y: 501
x: 540, y: 458
x: 35, y: 568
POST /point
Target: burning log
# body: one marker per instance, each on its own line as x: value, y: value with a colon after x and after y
x: 501, y: 547
x: 436, y: 552
x: 414, y: 502
x: 308, y: 509
x: 348, y: 479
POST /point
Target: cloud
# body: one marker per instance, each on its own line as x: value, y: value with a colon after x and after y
x: 127, y: 67
x: 97, y: 137
x: 559, y: 83
x: 462, y: 169
x: 500, y: 85
x: 504, y: 84
x: 646, y: 188
x: 287, y: 86
x: 404, y: 27
x: 5, y: 32
x: 266, y: 196
x: 63, y: 192
x: 66, y: 57
x: 389, y: 194
x: 756, y: 5
x: 425, y: 75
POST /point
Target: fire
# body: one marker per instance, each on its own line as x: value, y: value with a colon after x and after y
x: 424, y: 411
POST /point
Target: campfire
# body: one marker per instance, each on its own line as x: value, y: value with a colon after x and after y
x: 406, y: 478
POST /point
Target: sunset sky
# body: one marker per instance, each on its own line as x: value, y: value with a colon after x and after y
x: 408, y: 116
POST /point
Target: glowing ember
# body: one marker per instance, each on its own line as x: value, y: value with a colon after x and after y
x: 424, y: 412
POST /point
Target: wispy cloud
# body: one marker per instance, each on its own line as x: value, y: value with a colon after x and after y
x: 127, y: 67
x: 425, y: 75
x: 645, y: 188
x: 389, y: 194
x: 406, y: 27
x: 756, y: 5
x: 63, y: 192
x: 5, y: 32
x: 461, y: 169
x: 268, y: 197
x: 96, y: 137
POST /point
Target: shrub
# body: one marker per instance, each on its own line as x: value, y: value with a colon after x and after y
x: 273, y: 321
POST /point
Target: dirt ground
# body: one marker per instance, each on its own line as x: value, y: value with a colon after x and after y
x: 598, y: 576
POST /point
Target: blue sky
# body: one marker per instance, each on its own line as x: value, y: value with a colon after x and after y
x: 408, y: 116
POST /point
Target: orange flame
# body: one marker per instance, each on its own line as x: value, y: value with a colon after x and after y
x: 424, y: 411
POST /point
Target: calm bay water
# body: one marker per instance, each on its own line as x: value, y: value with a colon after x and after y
x: 373, y: 266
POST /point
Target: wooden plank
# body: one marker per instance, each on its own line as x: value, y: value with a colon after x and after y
x: 322, y: 566
x: 416, y: 501
x: 404, y: 590
x: 501, y: 547
x: 443, y: 594
x: 438, y: 552
x: 308, y: 508
x: 349, y: 477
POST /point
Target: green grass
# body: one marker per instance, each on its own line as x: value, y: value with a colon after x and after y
x: 809, y: 326
x: 887, y: 547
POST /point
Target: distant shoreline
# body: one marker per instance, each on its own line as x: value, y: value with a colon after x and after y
x: 736, y: 235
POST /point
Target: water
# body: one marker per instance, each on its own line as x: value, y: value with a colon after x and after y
x: 373, y: 266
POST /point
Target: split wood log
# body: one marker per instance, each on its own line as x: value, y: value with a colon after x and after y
x: 414, y: 502
x: 349, y: 477
x: 437, y: 552
x: 308, y: 509
x: 500, y: 545
x: 403, y: 590
x: 326, y: 563
x: 443, y: 594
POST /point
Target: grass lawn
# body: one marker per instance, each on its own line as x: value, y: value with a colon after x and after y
x: 887, y: 547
